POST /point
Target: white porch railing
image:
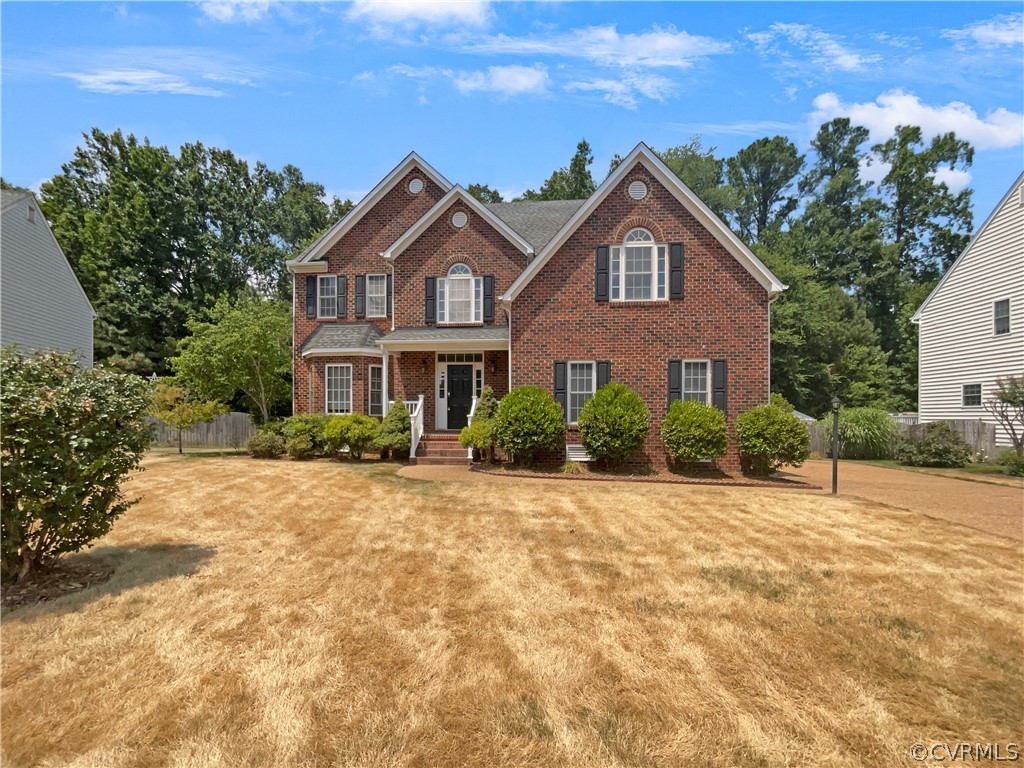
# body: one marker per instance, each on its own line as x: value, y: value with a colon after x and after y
x: 415, y: 409
x: 469, y: 420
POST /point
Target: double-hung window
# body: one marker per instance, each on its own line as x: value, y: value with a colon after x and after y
x: 638, y: 268
x: 695, y: 381
x: 460, y: 296
x: 327, y: 296
x: 338, y: 388
x: 971, y: 394
x: 376, y: 295
x: 376, y: 389
x: 582, y: 384
x: 1001, y: 317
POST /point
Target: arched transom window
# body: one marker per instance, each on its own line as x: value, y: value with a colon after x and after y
x: 638, y: 268
x: 460, y: 296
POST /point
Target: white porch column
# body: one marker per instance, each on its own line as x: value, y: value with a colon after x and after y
x: 384, y: 382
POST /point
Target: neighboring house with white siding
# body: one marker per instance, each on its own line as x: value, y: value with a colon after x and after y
x: 972, y: 324
x: 42, y: 304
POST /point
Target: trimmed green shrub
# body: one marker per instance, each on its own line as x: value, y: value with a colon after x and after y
x: 693, y: 431
x: 769, y: 438
x: 614, y: 424
x: 300, y: 447
x: 529, y: 421
x: 864, y: 433
x: 309, y: 425
x: 938, y: 445
x: 69, y: 437
x: 394, y: 434
x: 779, y: 401
x: 486, y: 406
x: 353, y: 431
x: 1012, y: 462
x: 275, y: 427
x: 479, y: 435
x: 266, y: 446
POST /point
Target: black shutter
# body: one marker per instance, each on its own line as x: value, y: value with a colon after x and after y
x: 342, y: 296
x: 390, y: 300
x: 718, y: 384
x: 430, y: 302
x: 601, y: 274
x: 675, y: 381
x: 604, y: 372
x: 560, y: 387
x: 675, y: 271
x: 488, y: 298
x: 360, y: 295
x: 310, y: 296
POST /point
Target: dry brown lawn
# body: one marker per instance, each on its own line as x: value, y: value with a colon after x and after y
x: 323, y: 614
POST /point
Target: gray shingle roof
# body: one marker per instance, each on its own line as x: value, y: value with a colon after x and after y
x: 475, y: 333
x: 9, y: 196
x: 361, y: 336
x: 536, y: 220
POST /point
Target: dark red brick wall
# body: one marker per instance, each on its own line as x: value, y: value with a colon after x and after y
x: 724, y: 312
x: 312, y: 370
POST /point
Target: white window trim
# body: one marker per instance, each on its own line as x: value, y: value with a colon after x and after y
x: 383, y: 295
x: 568, y: 385
x: 617, y: 276
x: 319, y: 292
x: 963, y: 395
x: 1009, y: 326
x: 707, y: 379
x: 327, y: 393
x: 369, y: 390
x: 476, y: 308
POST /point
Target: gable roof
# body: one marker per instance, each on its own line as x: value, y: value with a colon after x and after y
x: 645, y: 156
x: 323, y: 243
x: 456, y: 193
x: 11, y: 196
x: 536, y: 220
x: 916, y: 317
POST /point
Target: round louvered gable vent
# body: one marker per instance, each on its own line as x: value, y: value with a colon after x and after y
x: 416, y: 186
x: 638, y: 190
x: 459, y: 219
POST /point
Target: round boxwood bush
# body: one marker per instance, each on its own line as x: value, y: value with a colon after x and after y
x: 770, y: 437
x: 394, y: 434
x: 529, y: 421
x: 266, y: 446
x: 694, y: 431
x: 614, y: 423
x: 300, y: 447
x: 937, y: 446
x: 864, y: 433
x: 310, y: 425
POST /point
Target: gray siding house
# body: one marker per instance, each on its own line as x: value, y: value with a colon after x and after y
x: 42, y: 304
x: 972, y: 324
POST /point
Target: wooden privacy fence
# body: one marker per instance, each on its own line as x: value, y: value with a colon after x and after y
x: 977, y: 434
x: 229, y: 430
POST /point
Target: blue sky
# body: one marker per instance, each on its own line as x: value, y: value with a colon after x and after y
x: 499, y: 93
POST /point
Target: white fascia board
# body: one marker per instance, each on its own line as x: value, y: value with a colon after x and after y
x: 442, y: 345
x: 301, y: 267
x: 916, y: 317
x: 646, y: 156
x: 343, y: 352
x: 456, y: 193
x: 339, y: 230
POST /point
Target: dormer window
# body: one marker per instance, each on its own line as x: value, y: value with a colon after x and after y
x: 638, y: 268
x: 460, y: 296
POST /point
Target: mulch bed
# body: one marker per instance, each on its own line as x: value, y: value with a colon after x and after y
x: 62, y: 579
x: 603, y: 475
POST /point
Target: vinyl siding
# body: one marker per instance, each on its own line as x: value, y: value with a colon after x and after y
x: 42, y: 305
x: 958, y: 344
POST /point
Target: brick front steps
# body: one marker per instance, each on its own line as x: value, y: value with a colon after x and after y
x: 440, y: 448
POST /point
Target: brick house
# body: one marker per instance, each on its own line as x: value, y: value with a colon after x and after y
x: 424, y: 294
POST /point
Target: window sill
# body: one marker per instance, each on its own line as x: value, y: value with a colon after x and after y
x: 460, y: 325
x: 635, y: 302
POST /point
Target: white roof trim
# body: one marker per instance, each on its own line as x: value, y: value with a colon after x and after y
x: 453, y: 345
x: 346, y: 351
x: 916, y: 317
x: 323, y: 243
x: 297, y: 266
x: 456, y: 193
x: 645, y: 155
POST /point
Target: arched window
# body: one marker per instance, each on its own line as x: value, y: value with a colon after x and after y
x: 460, y: 296
x: 638, y: 268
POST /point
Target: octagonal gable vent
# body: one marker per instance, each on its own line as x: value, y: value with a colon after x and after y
x: 459, y: 219
x: 638, y: 190
x: 416, y: 186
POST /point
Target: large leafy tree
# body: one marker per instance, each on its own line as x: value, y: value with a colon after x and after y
x: 763, y: 178
x: 572, y: 183
x: 484, y: 193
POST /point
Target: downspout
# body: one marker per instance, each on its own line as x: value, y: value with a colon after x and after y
x: 770, y: 302
x: 506, y: 306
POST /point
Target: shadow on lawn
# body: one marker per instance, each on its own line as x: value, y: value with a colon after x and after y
x: 102, y: 572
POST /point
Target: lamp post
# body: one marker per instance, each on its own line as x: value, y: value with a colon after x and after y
x: 836, y: 405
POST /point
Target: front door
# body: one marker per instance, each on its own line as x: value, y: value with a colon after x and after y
x: 460, y: 395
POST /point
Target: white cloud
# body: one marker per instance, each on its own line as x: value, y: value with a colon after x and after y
x: 999, y: 128
x: 738, y: 128
x: 230, y: 11
x: 823, y: 49
x: 387, y: 17
x: 605, y: 45
x: 511, y: 80
x: 997, y: 32
x: 627, y: 90
x: 954, y: 178
x: 138, y: 81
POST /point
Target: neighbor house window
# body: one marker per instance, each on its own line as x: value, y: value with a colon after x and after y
x: 460, y: 296
x: 327, y: 296
x: 695, y: 381
x: 376, y: 295
x: 972, y: 394
x: 376, y: 404
x: 338, y: 388
x: 1001, y: 317
x: 582, y: 384
x: 638, y: 268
